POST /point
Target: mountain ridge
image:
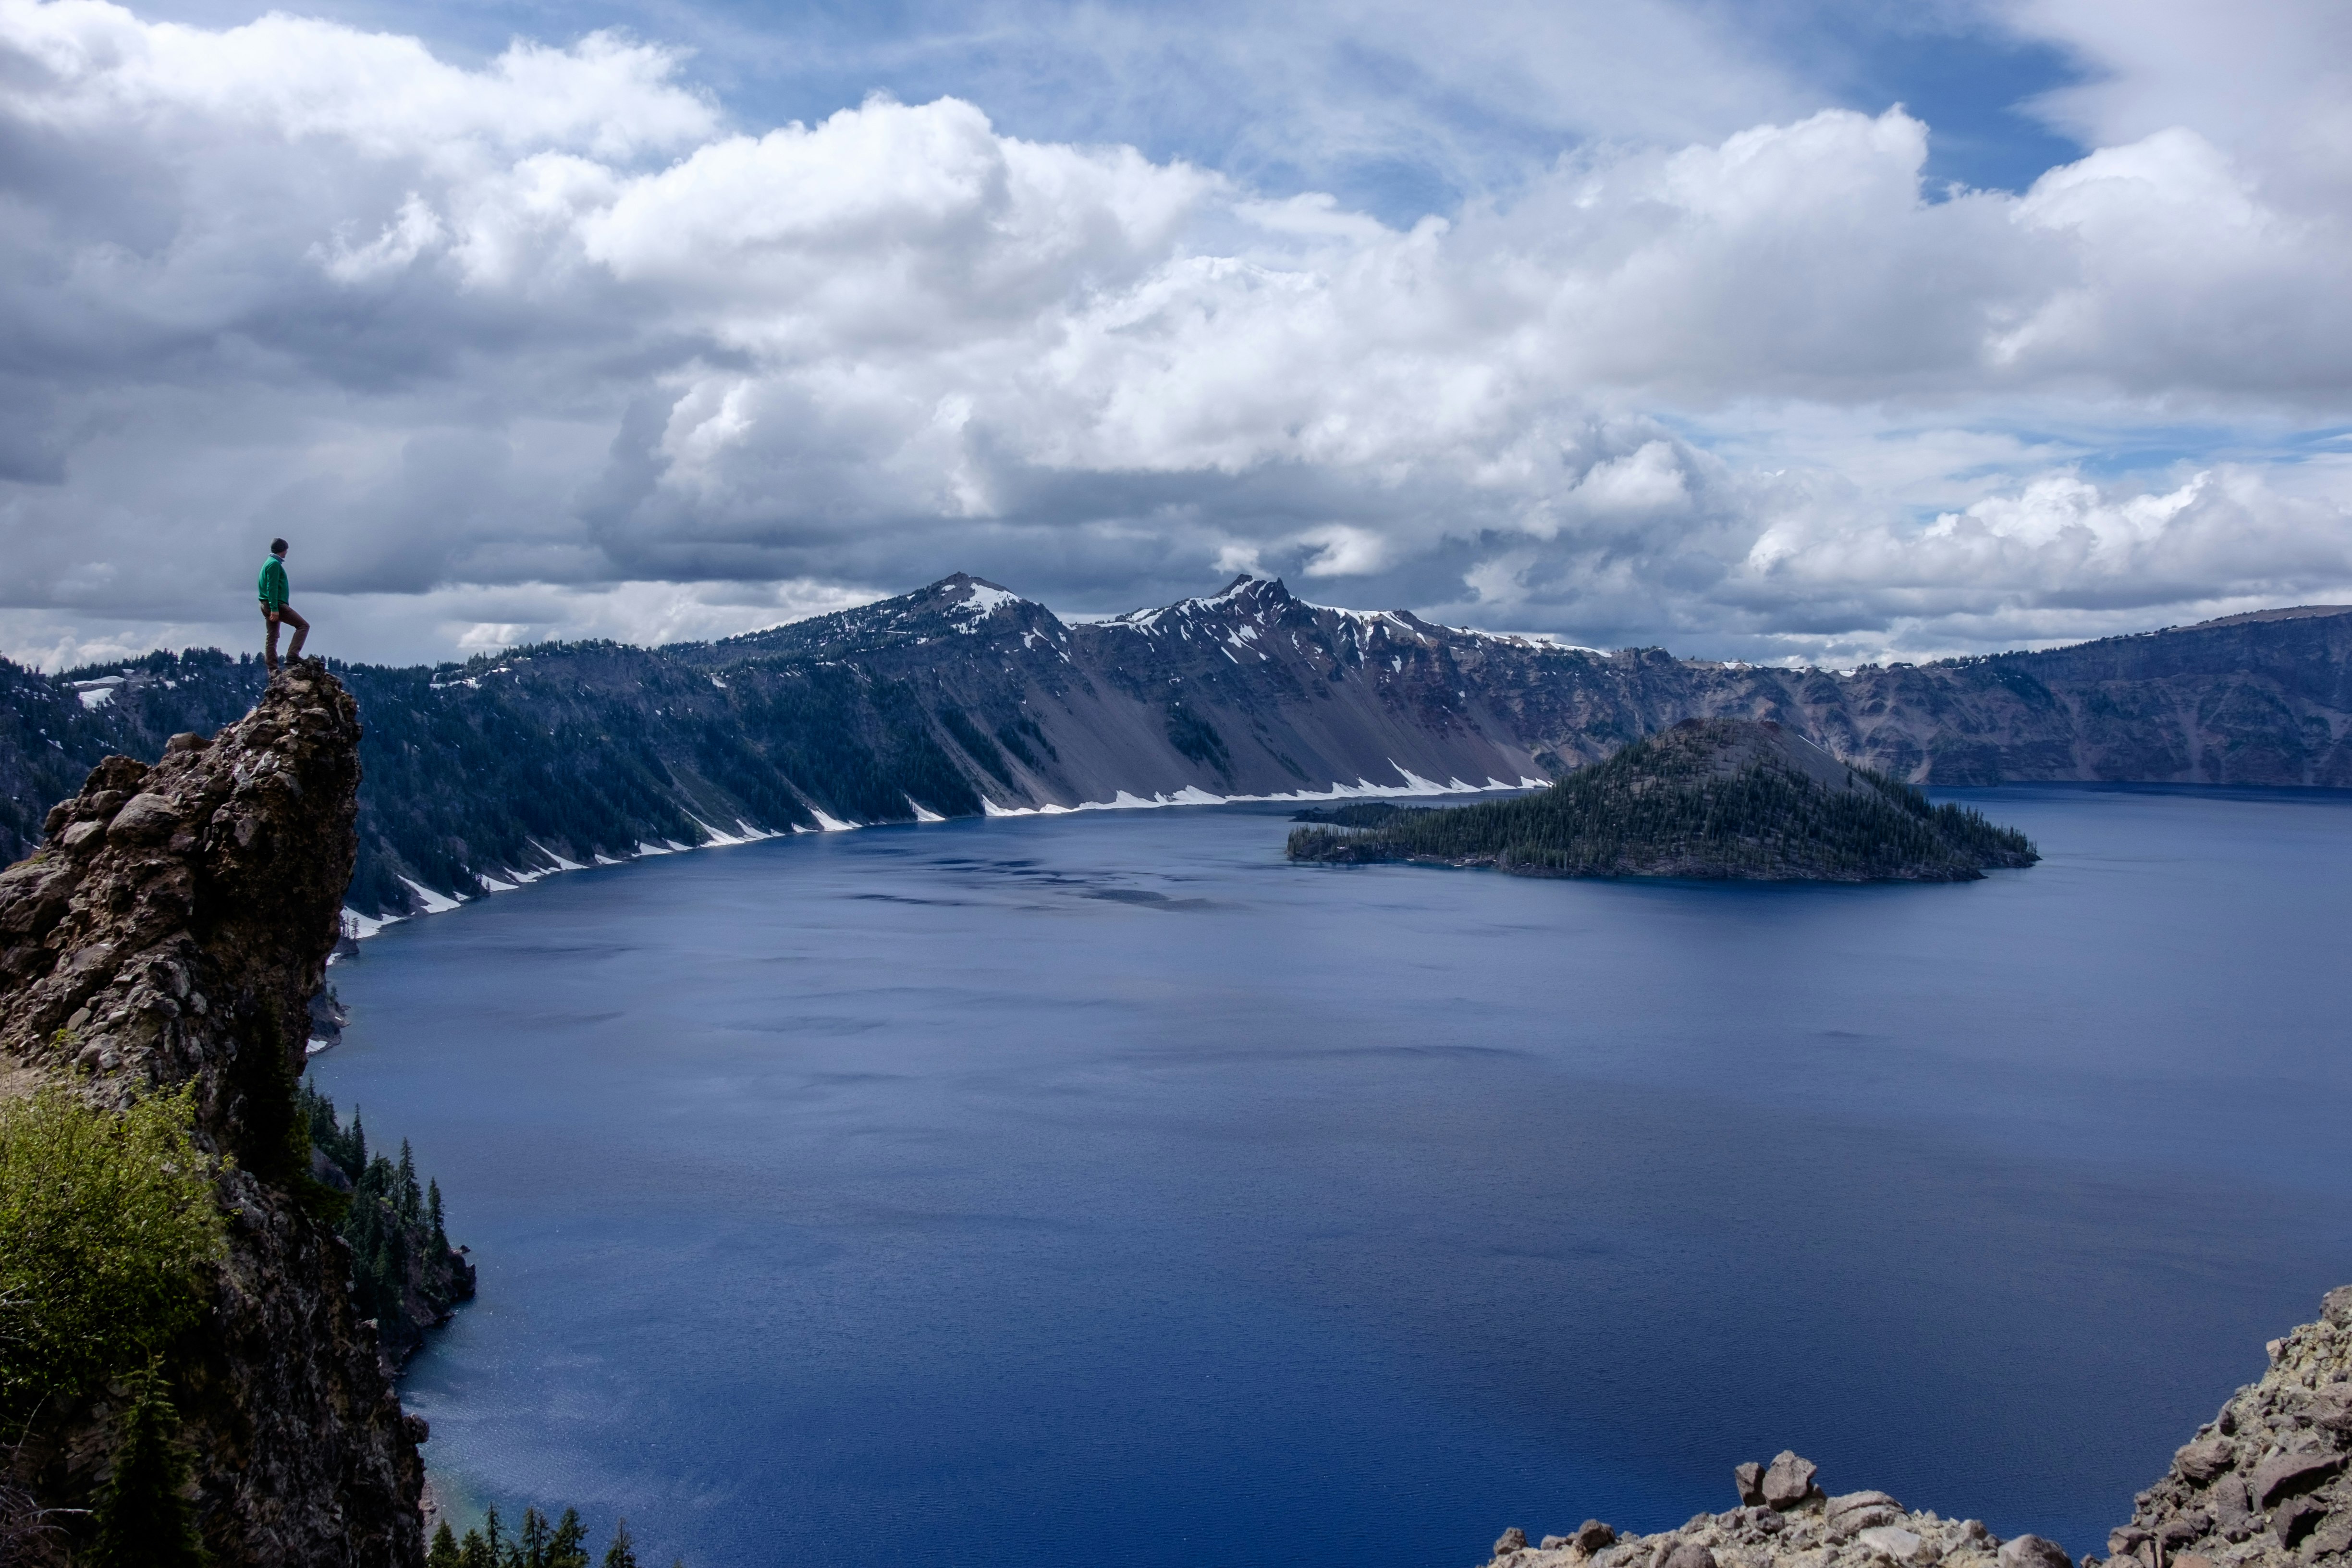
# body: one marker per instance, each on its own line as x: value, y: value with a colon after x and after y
x: 963, y: 698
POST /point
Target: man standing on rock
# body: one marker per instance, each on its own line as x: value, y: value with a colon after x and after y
x: 274, y: 607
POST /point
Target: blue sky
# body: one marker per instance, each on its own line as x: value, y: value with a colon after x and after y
x: 1780, y: 330
x: 1049, y: 73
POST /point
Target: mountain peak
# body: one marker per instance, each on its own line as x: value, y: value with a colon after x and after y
x: 1252, y: 585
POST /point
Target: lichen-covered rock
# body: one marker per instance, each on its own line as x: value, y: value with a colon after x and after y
x: 171, y: 928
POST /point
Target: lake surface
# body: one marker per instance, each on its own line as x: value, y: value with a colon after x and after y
x: 1103, y: 1189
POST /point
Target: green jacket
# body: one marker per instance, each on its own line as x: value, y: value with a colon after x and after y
x: 273, y: 584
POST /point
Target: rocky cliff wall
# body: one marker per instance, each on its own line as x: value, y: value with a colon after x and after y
x: 170, y: 930
x: 2262, y: 1485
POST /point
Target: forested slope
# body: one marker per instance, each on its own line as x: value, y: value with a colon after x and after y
x: 1715, y: 798
x: 962, y: 697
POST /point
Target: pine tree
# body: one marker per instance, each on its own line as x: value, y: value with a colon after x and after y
x: 411, y: 1202
x: 476, y: 1553
x: 143, y: 1520
x: 359, y: 1143
x: 568, y: 1547
x: 534, y: 1539
x: 492, y: 1538
x: 622, y: 1552
x: 444, y: 1553
x: 433, y: 1211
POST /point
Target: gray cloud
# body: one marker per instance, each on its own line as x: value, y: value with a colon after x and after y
x: 546, y: 347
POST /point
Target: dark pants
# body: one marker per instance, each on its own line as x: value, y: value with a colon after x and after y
x: 301, y: 629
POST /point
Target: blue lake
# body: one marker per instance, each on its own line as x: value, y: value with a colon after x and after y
x: 1103, y: 1188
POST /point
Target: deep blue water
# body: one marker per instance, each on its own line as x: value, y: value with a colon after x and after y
x: 1103, y: 1188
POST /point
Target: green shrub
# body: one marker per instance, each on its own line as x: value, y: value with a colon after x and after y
x: 106, y: 1220
x: 143, y: 1519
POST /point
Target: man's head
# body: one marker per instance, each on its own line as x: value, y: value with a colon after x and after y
x: 278, y: 547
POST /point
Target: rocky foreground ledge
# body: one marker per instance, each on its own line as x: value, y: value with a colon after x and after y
x: 2262, y: 1485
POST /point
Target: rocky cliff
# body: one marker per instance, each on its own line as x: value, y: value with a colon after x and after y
x: 2261, y: 1486
x: 169, y: 930
x: 963, y: 698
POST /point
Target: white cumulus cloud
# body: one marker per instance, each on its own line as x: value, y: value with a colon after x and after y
x: 554, y: 327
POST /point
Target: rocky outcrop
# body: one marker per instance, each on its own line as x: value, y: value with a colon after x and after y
x: 2264, y: 1481
x: 2264, y: 1485
x: 170, y: 930
x: 1784, y: 1518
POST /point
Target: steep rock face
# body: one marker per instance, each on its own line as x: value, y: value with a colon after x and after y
x: 2264, y: 1485
x: 170, y: 930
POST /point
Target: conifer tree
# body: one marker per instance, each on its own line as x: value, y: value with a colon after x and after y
x: 411, y: 1201
x: 533, y: 1540
x: 143, y: 1520
x: 433, y: 1211
x: 476, y: 1553
x: 622, y: 1552
x: 568, y: 1547
x: 359, y: 1143
x: 444, y: 1553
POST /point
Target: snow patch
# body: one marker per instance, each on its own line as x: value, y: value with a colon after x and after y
x: 830, y: 824
x: 923, y: 815
x: 561, y: 863
x: 360, y: 927
x: 434, y: 903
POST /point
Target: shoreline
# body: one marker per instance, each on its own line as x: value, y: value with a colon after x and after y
x: 358, y: 928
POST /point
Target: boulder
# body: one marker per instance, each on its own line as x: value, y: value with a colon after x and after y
x: 1749, y: 1478
x: 1851, y: 1511
x: 2286, y: 1474
x: 1511, y: 1541
x: 145, y: 818
x: 1551, y: 1542
x: 2032, y: 1551
x: 2296, y: 1519
x: 2208, y: 1456
x: 1788, y: 1480
x: 1689, y: 1554
x: 1895, y: 1544
x: 2331, y: 1408
x: 1591, y: 1536
x: 2335, y: 1307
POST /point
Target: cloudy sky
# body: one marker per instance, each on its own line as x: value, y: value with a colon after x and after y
x: 1818, y: 330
